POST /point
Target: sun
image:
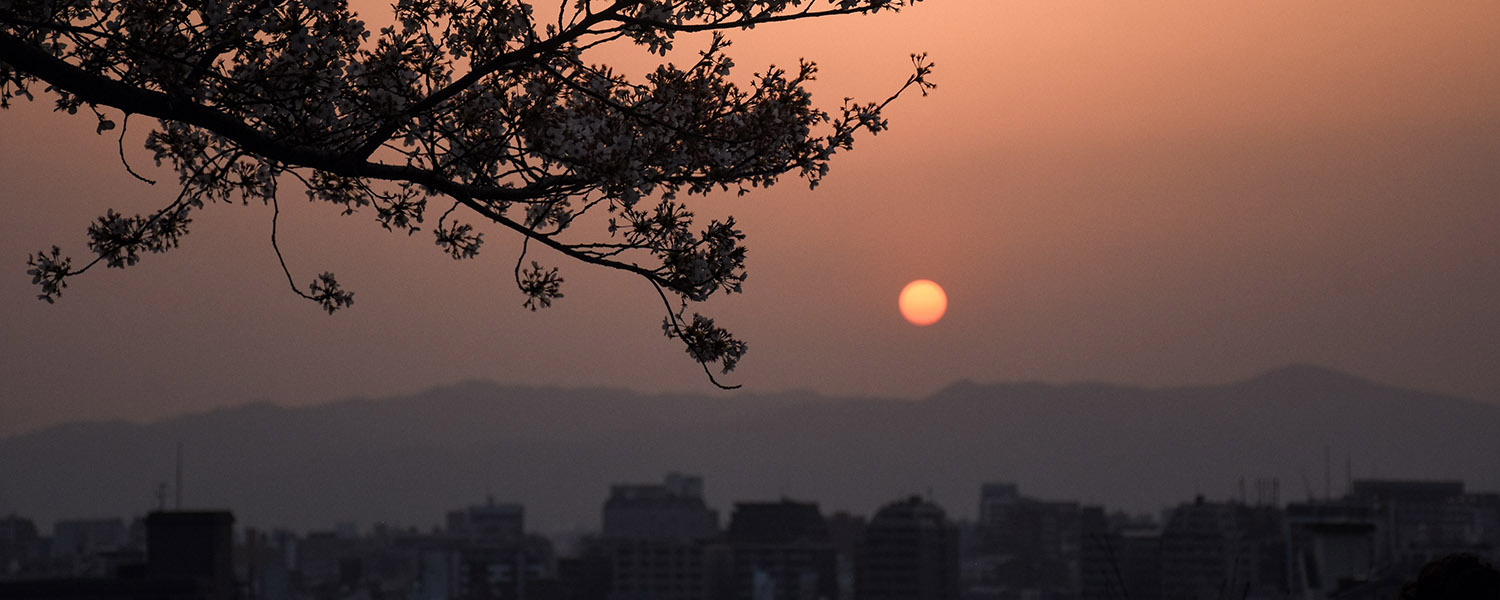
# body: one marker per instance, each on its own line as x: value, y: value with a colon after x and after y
x: 923, y: 302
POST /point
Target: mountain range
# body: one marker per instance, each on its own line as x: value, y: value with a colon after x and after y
x: 406, y: 460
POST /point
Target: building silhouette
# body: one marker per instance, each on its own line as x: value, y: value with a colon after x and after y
x: 490, y: 555
x: 847, y: 532
x: 92, y: 547
x: 780, y: 551
x: 1332, y: 545
x: 1029, y: 547
x: 910, y: 551
x: 1223, y: 549
x: 657, y: 538
x: 488, y: 524
x: 189, y: 556
x: 1420, y: 519
x: 196, y: 545
x: 1124, y: 561
x: 20, y: 546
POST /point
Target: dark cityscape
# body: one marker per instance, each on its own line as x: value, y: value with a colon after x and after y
x: 480, y: 491
x: 662, y: 541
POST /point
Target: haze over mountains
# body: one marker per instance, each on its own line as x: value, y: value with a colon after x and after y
x: 405, y: 460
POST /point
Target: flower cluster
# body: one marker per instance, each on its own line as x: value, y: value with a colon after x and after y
x: 706, y: 342
x: 540, y: 286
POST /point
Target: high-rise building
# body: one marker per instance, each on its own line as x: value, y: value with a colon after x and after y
x: 196, y: 545
x: 1332, y: 545
x: 189, y: 556
x: 673, y: 510
x: 491, y: 523
x: 847, y: 532
x: 910, y: 551
x: 1123, y: 561
x: 1217, y: 550
x: 490, y: 557
x: 20, y: 546
x: 84, y: 544
x: 995, y: 500
x: 501, y: 572
x: 1422, y: 519
x: 657, y: 538
x: 1029, y: 544
x: 781, y: 551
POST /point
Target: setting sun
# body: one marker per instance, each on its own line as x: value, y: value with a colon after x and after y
x: 923, y: 302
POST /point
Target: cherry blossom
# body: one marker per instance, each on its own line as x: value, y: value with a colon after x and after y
x: 490, y: 109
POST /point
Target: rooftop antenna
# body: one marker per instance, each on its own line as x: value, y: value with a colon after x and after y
x: 161, y: 495
x: 179, y: 477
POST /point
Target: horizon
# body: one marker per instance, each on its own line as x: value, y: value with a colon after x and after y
x: 401, y: 459
x: 742, y: 395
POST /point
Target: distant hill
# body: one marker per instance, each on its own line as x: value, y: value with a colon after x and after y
x: 405, y: 460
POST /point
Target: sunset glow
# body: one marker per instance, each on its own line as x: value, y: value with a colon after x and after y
x: 923, y: 302
x: 1145, y: 193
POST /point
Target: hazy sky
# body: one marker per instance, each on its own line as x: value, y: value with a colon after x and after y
x: 1160, y: 194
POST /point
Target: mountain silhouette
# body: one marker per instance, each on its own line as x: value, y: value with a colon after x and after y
x: 405, y: 460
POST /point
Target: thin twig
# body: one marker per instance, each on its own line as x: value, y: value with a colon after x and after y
x: 525, y: 242
x: 276, y: 213
x: 124, y: 124
x: 676, y: 326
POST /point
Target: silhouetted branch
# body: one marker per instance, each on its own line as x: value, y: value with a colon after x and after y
x: 468, y: 99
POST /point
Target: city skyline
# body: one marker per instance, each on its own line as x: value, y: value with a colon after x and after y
x: 1134, y: 448
x: 503, y: 517
x: 663, y: 540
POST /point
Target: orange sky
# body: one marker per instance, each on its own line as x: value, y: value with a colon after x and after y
x: 1161, y: 194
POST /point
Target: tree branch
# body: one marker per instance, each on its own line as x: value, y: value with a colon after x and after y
x: 96, y: 89
x: 505, y: 60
